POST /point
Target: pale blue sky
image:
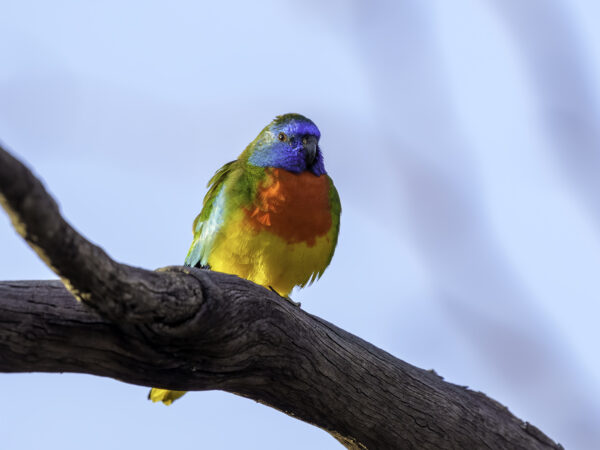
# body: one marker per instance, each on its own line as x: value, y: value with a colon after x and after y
x: 462, y: 137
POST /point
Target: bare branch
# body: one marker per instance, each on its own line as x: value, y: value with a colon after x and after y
x: 189, y: 329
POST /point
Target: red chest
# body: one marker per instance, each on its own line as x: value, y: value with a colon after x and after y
x: 293, y: 206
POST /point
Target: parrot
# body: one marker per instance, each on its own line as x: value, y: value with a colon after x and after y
x: 271, y: 216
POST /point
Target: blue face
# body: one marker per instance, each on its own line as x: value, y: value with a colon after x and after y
x: 290, y: 142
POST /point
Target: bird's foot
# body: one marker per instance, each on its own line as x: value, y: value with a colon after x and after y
x: 297, y: 304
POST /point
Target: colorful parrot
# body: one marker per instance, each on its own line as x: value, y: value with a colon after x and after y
x: 272, y: 216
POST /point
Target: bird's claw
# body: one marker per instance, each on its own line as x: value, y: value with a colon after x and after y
x: 296, y: 304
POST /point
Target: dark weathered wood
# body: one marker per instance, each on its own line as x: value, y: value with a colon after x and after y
x: 190, y: 329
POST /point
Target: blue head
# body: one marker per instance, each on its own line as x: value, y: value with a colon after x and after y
x: 290, y: 142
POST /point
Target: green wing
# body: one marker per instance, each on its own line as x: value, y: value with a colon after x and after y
x: 336, y: 212
x: 211, y: 218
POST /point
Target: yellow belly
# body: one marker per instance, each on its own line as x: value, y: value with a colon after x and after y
x: 267, y: 259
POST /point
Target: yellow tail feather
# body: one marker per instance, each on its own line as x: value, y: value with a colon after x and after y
x: 164, y: 395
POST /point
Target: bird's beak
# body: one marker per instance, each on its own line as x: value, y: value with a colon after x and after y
x: 309, y: 145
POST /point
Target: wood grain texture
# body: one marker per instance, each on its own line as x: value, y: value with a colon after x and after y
x: 191, y: 329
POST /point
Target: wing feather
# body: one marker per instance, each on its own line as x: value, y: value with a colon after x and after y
x: 208, y: 222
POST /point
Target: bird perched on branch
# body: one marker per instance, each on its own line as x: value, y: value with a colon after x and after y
x: 272, y: 216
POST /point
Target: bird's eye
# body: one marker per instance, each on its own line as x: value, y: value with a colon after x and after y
x: 304, y: 140
x: 282, y: 137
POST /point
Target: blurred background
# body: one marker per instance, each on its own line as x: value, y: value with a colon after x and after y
x: 463, y: 138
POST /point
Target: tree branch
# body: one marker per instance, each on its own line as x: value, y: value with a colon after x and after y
x: 190, y: 329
